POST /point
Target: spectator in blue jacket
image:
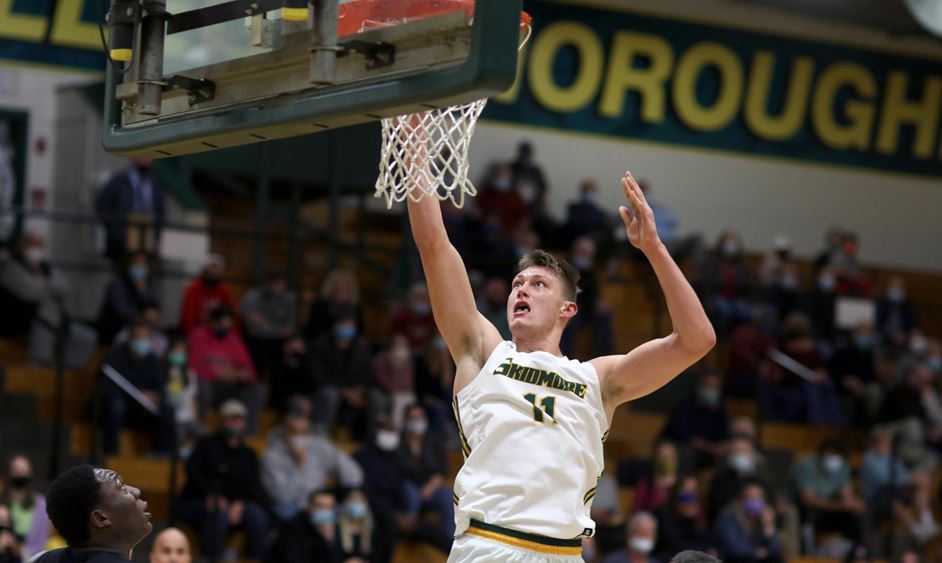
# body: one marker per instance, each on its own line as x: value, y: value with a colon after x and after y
x: 745, y: 530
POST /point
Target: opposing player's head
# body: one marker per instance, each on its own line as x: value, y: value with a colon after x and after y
x: 542, y: 294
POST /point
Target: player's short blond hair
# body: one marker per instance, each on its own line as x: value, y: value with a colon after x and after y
x: 565, y: 271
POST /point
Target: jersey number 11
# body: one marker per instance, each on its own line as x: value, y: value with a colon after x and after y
x: 548, y: 405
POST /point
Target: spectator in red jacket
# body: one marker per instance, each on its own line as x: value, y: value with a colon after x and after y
x: 223, y: 366
x: 203, y: 293
x: 415, y: 320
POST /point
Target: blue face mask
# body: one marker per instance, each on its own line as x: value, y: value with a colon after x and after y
x: 177, y: 358
x: 323, y: 516
x: 356, y: 509
x: 345, y: 332
x: 140, y: 347
x: 935, y: 363
x: 863, y: 341
x: 139, y: 273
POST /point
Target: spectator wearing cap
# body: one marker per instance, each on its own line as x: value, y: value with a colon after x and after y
x: 223, y: 366
x: 204, y: 293
x: 269, y: 316
x: 699, y: 421
x: 136, y: 362
x: 128, y: 291
x: 27, y: 506
x: 223, y: 489
x: 298, y: 462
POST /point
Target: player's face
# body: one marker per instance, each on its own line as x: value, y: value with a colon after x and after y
x: 124, y: 507
x: 536, y: 300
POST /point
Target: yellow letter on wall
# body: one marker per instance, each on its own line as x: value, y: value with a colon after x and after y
x: 69, y: 29
x: 792, y: 116
x: 684, y: 91
x: 650, y: 81
x: 23, y: 27
x: 897, y: 110
x: 860, y: 114
x: 569, y: 98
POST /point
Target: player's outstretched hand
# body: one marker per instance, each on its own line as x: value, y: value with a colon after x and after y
x: 639, y: 222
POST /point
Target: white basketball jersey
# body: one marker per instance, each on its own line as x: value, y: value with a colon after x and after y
x: 532, y: 426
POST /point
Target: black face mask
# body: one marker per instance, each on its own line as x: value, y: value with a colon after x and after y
x: 20, y: 482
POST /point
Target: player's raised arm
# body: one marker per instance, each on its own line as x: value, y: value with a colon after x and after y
x: 654, y: 363
x: 470, y: 337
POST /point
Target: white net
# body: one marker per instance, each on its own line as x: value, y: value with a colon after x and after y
x: 426, y: 154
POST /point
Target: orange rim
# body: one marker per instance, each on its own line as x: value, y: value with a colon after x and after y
x: 378, y: 13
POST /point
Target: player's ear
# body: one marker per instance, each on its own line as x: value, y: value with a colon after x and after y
x: 568, y: 310
x: 98, y: 519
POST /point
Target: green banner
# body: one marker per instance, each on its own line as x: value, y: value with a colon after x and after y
x: 626, y: 75
x: 57, y: 33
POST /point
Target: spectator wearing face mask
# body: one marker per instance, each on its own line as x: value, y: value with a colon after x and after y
x: 342, y: 376
x: 171, y: 546
x: 27, y: 507
x: 311, y: 536
x: 748, y: 345
x: 654, y: 490
x: 699, y: 421
x: 498, y: 193
x: 779, y: 281
x: 136, y: 362
x: 11, y: 550
x: 298, y: 462
x: 394, y: 376
x: 355, y: 526
x: 339, y: 295
x: 269, y: 316
x: 682, y: 522
x: 182, y: 390
x: 204, y: 293
x: 585, y: 217
x: 148, y: 313
x: 854, y: 368
x: 291, y: 374
x: 726, y: 283
x: 415, y: 320
x: 642, y: 537
x: 383, y: 484
x: 896, y: 316
x: 424, y: 463
x: 594, y: 312
x: 745, y: 531
x: 492, y: 303
x: 223, y: 488
x: 741, y: 466
x: 824, y: 490
x: 823, y: 298
x: 223, y: 366
x: 127, y: 292
x: 528, y: 180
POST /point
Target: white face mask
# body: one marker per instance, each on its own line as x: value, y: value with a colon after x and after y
x: 833, y: 463
x: 387, y: 440
x: 641, y: 545
x: 417, y: 426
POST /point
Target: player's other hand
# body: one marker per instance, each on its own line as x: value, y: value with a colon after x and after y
x: 639, y: 221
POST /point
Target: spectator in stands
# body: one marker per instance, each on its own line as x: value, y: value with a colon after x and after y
x: 223, y: 487
x: 394, y: 375
x: 182, y: 390
x: 100, y: 517
x: 912, y: 408
x: 912, y: 508
x: 642, y: 536
x: 340, y: 295
x: 698, y: 422
x: 434, y: 383
x: 11, y: 548
x: 291, y: 374
x: 223, y: 366
x: 594, y: 312
x: 823, y: 300
x: 27, y: 507
x: 128, y: 291
x: 896, y: 316
x: 269, y: 315
x: 586, y: 218
x: 744, y: 427
x: 851, y: 279
x: 490, y: 251
x: 135, y: 362
x: 668, y: 230
x: 383, y: 483
x: 171, y: 546
x: 779, y: 282
x: 805, y: 394
x: 824, y: 491
x: 424, y: 463
x: 355, y: 526
x: 741, y: 467
x: 726, y: 282
x: 415, y: 320
x: 205, y: 293
x: 149, y: 314
x: 882, y: 472
x: 832, y: 246
x: 652, y: 492
x: 132, y: 197
x: 682, y: 521
x: 342, y: 375
x: 528, y: 180
x: 748, y: 345
x: 854, y: 368
x: 311, y: 536
x: 745, y: 531
x: 499, y: 196
x: 492, y: 303
x: 297, y: 462
x: 691, y: 556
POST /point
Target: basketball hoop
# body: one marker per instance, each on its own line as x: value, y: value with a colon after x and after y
x: 423, y: 154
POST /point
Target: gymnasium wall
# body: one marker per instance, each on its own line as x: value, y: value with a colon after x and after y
x: 738, y: 116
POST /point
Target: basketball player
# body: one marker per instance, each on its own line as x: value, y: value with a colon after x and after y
x: 532, y: 421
